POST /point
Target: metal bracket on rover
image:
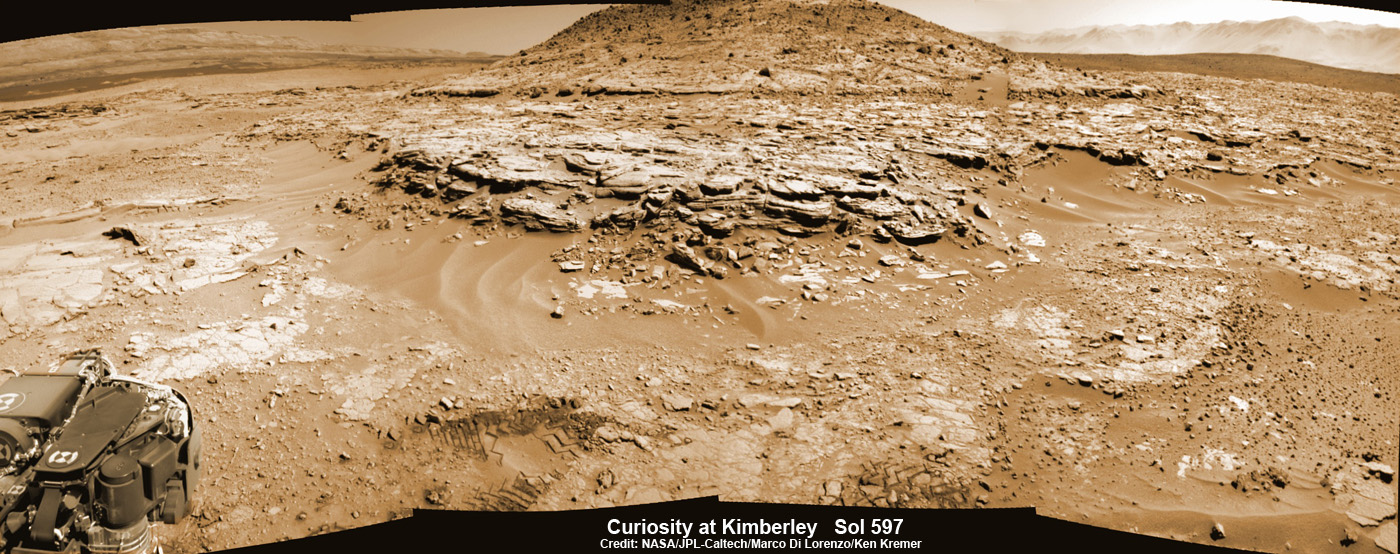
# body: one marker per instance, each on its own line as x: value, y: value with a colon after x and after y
x: 89, y: 460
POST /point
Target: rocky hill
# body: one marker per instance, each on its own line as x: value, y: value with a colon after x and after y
x: 691, y: 46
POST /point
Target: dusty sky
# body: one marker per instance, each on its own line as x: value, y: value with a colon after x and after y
x: 509, y: 30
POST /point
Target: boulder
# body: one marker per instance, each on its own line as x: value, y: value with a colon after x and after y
x: 884, y: 208
x: 912, y: 234
x: 478, y: 210
x: 676, y: 403
x: 587, y: 162
x: 782, y: 420
x: 538, y: 215
x: 457, y: 190
x: 851, y: 188
x: 794, y: 189
x: 128, y: 233
x: 721, y: 184
x: 625, y: 217
x: 806, y: 213
x: 418, y: 160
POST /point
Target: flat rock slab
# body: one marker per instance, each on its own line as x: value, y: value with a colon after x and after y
x: 1385, y: 537
x: 42, y: 283
x: 1372, y: 502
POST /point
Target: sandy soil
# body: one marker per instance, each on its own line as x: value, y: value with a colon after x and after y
x: 1207, y: 341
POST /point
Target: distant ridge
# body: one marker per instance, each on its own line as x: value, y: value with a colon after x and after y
x: 1234, y: 66
x: 1345, y: 45
x: 47, y: 63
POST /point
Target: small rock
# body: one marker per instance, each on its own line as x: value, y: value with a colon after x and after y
x: 1217, y: 532
x: 676, y: 403
x: 571, y: 266
x: 1383, y: 471
x: 558, y: 312
x: 782, y: 420
x: 128, y: 233
x: 607, y: 433
x: 644, y: 443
